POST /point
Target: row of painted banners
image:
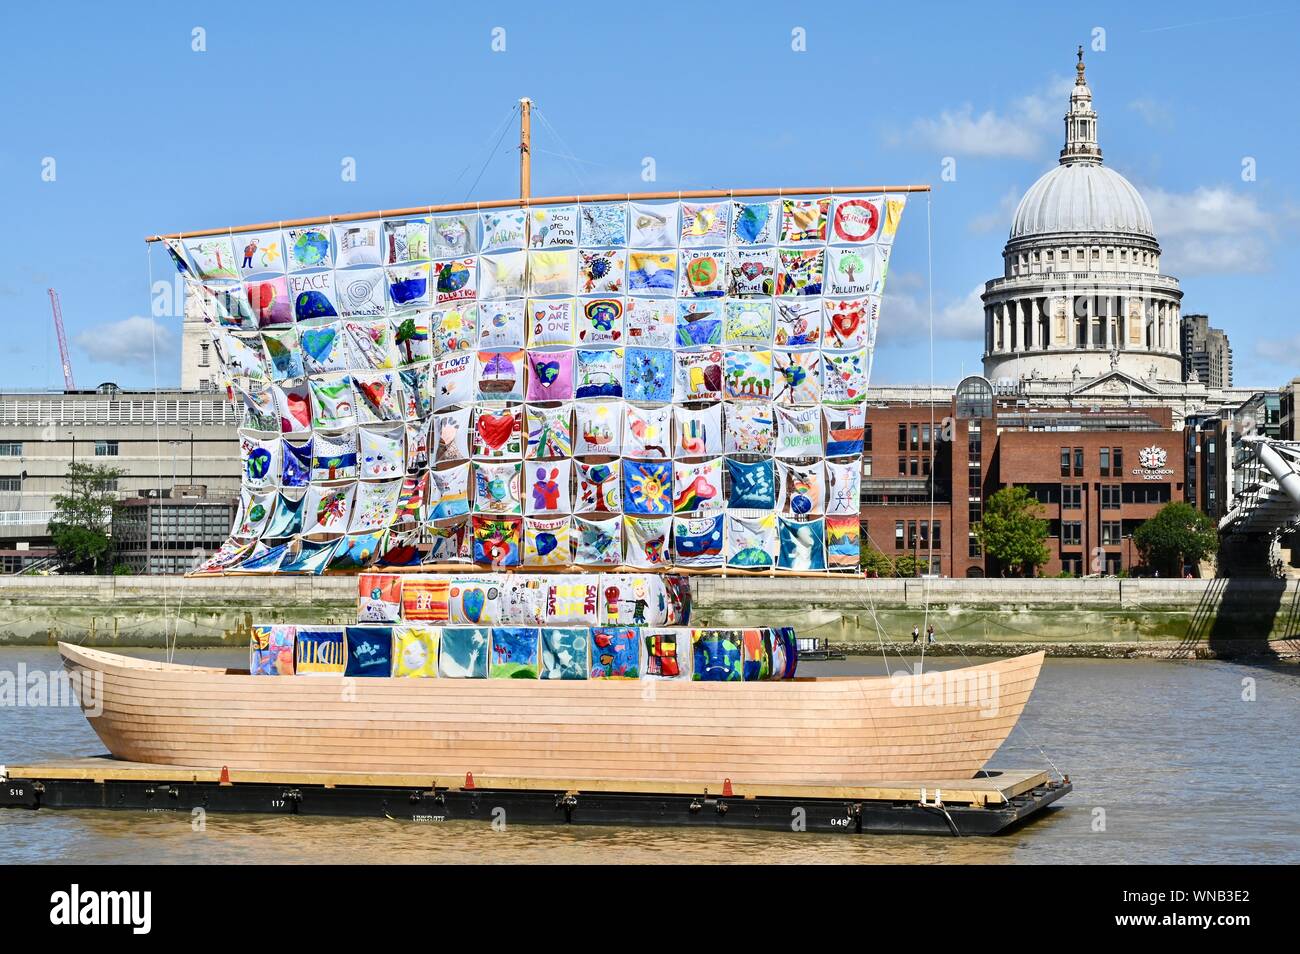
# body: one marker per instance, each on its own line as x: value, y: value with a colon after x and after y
x: 555, y: 488
x: 524, y: 652
x: 741, y: 540
x: 408, y: 340
x: 709, y: 371
x: 598, y: 430
x: 719, y: 363
x: 525, y: 599
x: 756, y: 380
x: 550, y: 281
x: 855, y: 222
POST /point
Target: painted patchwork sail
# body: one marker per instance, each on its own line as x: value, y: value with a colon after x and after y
x: 657, y: 383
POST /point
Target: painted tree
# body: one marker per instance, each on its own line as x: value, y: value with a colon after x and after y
x: 851, y: 263
x: 1177, y: 535
x: 406, y: 334
x: 82, y: 525
x: 1013, y: 531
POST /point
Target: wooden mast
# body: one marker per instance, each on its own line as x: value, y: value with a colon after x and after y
x: 525, y: 153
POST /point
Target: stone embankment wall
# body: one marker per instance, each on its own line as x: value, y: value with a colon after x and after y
x: 1077, y: 617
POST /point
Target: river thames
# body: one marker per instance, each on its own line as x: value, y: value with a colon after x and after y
x: 1172, y: 762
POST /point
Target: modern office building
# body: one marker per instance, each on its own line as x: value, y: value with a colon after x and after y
x: 171, y: 534
x: 1207, y: 354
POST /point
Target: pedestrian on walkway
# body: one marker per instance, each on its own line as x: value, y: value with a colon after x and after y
x: 929, y: 634
x: 916, y: 634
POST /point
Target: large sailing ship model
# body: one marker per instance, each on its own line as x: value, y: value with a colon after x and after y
x: 523, y: 426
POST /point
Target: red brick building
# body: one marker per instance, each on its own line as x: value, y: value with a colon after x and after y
x: 1098, y: 474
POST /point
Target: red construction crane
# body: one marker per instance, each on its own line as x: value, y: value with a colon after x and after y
x: 68, y: 383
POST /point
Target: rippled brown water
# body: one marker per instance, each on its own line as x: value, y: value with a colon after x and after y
x: 1184, y: 769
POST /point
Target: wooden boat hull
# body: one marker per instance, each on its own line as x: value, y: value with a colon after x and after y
x: 826, y: 731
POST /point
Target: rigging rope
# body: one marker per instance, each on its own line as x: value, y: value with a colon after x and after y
x: 568, y: 154
x: 934, y: 437
x: 505, y: 125
x: 169, y: 641
x: 1020, y: 722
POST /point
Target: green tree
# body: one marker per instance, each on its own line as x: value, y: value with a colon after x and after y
x: 1178, y: 534
x: 875, y: 562
x: 908, y: 564
x: 81, y: 527
x: 1013, y: 531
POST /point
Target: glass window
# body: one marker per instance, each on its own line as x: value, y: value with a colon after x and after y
x: 1103, y: 456
x: 1078, y: 462
x: 1071, y: 533
x: 105, y: 448
x: 11, y: 449
x: 974, y: 397
x: 1117, y: 460
x: 1065, y: 462
x: 898, y: 534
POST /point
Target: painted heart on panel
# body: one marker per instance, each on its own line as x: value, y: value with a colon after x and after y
x: 495, y: 430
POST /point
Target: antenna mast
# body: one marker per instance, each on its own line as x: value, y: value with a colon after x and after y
x: 68, y: 383
x: 525, y: 152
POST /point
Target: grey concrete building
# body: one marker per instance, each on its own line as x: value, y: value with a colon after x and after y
x: 161, y: 440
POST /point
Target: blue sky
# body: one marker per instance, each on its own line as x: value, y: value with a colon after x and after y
x: 148, y: 135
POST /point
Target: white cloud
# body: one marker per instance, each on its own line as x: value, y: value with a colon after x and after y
x: 1211, y: 230
x: 1019, y: 132
x: 1153, y: 113
x: 999, y: 218
x: 130, y: 343
x: 905, y: 313
x: 1206, y: 210
x: 1268, y: 359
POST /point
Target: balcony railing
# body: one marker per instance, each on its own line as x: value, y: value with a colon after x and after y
x: 25, y: 518
x: 60, y: 411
